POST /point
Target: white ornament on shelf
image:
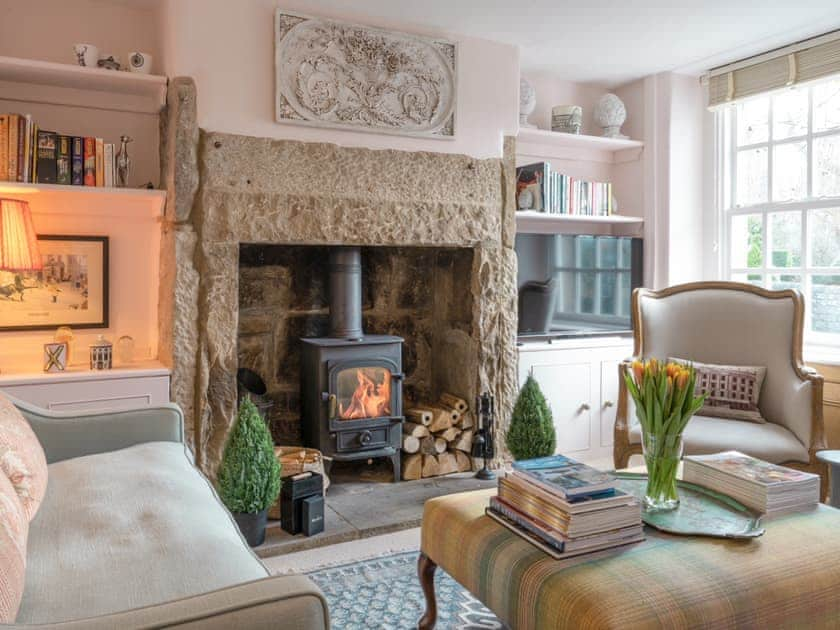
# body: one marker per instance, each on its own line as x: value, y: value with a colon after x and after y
x: 610, y: 114
x: 527, y: 102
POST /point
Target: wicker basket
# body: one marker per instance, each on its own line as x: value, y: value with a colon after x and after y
x: 295, y: 460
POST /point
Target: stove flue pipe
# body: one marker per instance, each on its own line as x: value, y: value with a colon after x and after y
x: 346, y: 293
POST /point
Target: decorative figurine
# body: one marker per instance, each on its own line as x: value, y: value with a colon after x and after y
x: 87, y: 55
x: 101, y: 354
x: 64, y: 334
x: 123, y: 162
x: 55, y: 357
x: 483, y: 442
x: 527, y: 102
x: 566, y: 118
x: 610, y: 114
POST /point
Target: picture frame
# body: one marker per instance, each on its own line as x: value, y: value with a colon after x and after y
x: 72, y: 288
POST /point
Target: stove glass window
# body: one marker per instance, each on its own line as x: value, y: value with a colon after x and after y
x: 364, y: 392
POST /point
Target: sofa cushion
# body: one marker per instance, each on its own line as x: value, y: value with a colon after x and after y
x: 129, y: 528
x: 13, y: 529
x: 732, y: 391
x: 22, y: 457
x: 704, y: 435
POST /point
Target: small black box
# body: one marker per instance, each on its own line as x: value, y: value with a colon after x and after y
x: 292, y: 493
x: 313, y: 515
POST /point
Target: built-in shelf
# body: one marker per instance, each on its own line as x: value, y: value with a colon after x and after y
x: 88, y: 199
x: 538, y: 144
x: 84, y: 373
x: 528, y: 222
x: 67, y: 84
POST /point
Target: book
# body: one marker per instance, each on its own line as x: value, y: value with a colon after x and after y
x: 563, y: 476
x: 46, y: 161
x: 33, y: 154
x: 109, y: 164
x: 4, y: 147
x: 77, y: 157
x: 14, y: 134
x: 27, y: 149
x: 62, y: 159
x: 536, y: 179
x: 757, y: 484
x: 573, y: 505
x: 90, y: 161
x: 21, y: 148
x: 100, y: 162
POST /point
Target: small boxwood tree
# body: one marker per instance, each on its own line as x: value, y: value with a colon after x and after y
x: 531, y: 433
x: 249, y: 477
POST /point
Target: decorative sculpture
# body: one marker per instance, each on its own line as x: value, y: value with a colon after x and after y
x: 123, y: 162
x: 527, y: 102
x: 610, y: 114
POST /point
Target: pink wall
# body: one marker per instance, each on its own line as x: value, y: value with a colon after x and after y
x: 229, y: 49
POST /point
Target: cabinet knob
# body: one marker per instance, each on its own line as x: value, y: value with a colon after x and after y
x: 584, y: 407
x: 608, y: 403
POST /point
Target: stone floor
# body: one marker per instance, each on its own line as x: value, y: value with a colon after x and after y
x: 363, y: 501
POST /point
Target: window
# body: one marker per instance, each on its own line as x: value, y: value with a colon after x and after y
x: 779, y: 194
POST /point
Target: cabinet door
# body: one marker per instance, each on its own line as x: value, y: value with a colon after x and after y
x: 609, y: 400
x: 567, y: 388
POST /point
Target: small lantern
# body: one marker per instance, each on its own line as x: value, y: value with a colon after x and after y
x: 101, y: 353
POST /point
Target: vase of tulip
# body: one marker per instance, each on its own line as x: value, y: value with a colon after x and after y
x: 665, y: 401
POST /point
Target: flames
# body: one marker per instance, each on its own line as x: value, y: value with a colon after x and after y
x: 370, y: 399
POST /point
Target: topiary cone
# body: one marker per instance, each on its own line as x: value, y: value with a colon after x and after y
x: 531, y: 433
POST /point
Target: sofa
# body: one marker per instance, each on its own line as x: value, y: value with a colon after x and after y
x: 131, y: 535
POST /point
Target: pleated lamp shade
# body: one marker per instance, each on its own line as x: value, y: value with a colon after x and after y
x: 18, y: 242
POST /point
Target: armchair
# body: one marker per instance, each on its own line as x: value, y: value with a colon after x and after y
x: 730, y: 323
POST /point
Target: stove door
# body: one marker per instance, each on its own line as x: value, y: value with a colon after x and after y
x: 364, y: 390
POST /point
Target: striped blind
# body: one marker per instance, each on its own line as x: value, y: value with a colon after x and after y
x: 812, y: 59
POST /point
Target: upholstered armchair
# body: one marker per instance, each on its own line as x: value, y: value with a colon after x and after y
x: 729, y: 323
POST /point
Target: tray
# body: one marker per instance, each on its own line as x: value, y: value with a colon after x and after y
x: 702, y: 512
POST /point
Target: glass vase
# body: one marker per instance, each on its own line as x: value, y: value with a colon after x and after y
x: 662, y: 455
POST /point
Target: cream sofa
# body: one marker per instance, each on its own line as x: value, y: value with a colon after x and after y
x: 730, y: 323
x: 131, y: 535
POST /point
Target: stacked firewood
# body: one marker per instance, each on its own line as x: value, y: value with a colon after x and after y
x: 437, y: 438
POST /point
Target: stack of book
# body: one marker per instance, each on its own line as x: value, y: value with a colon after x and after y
x: 555, y: 193
x: 566, y: 508
x: 757, y: 484
x: 31, y: 155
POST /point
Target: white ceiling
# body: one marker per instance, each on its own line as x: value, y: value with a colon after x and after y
x: 610, y: 42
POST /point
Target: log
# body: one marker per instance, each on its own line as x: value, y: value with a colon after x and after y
x: 447, y: 464
x: 417, y: 430
x: 443, y: 418
x: 432, y: 445
x: 412, y: 467
x: 464, y: 442
x: 449, y: 434
x: 467, y: 420
x: 464, y: 461
x: 419, y: 415
x: 431, y: 468
x: 450, y: 400
x: 410, y: 444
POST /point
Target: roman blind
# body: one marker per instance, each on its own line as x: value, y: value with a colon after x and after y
x: 805, y: 61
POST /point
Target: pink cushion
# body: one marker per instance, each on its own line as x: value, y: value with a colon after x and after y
x: 14, y: 528
x: 22, y: 458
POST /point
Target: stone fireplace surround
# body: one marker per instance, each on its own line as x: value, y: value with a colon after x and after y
x: 229, y: 193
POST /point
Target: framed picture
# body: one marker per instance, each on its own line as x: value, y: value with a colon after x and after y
x: 70, y: 290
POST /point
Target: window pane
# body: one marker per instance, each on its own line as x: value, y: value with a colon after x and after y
x: 624, y: 293
x: 586, y: 295
x: 824, y: 237
x: 790, y: 114
x: 827, y: 105
x: 607, y: 252
x: 752, y: 121
x: 608, y: 293
x: 753, y: 278
x: 586, y: 252
x: 790, y: 171
x: 827, y: 166
x: 751, y: 182
x: 825, y: 304
x: 746, y: 241
x: 785, y: 236
x: 785, y: 281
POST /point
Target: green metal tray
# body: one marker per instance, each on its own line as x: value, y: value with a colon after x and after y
x: 702, y: 512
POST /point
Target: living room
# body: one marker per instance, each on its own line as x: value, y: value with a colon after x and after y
x: 296, y: 298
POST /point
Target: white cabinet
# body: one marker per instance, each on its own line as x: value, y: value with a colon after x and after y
x: 579, y: 378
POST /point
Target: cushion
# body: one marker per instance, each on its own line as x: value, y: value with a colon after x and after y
x: 732, y: 390
x: 13, y: 530
x: 126, y: 529
x: 22, y: 458
x: 705, y: 435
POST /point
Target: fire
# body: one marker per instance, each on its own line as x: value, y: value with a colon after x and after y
x: 369, y: 400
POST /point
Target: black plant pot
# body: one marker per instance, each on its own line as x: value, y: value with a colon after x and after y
x: 252, y: 526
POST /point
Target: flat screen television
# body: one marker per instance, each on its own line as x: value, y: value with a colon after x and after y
x: 571, y: 285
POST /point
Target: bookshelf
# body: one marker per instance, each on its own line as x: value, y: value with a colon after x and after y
x: 89, y: 200
x: 540, y: 144
x: 531, y: 222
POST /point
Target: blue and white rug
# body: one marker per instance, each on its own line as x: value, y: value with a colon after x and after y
x: 384, y: 593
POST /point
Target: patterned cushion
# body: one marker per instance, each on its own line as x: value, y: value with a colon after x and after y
x: 733, y: 390
x: 13, y: 532
x: 22, y: 457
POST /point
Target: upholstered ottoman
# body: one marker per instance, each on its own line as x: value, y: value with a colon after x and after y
x: 790, y: 577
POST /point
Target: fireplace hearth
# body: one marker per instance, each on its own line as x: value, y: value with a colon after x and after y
x: 351, y: 383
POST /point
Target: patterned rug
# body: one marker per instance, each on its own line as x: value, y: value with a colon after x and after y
x: 385, y: 593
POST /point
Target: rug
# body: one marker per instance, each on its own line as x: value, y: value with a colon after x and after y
x: 385, y: 593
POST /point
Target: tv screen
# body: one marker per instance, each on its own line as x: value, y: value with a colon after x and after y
x: 576, y: 284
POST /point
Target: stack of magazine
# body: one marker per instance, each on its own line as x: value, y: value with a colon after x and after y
x: 565, y: 508
x: 760, y: 485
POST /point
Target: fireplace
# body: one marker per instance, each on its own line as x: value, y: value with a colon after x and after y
x: 351, y: 383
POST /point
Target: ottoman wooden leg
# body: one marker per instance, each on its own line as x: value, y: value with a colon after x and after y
x: 426, y: 573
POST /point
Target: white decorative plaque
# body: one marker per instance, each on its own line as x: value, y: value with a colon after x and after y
x: 332, y: 73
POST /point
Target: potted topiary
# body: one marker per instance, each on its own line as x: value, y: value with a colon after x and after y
x: 249, y: 477
x: 531, y: 433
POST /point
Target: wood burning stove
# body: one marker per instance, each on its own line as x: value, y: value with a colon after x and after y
x: 351, y: 383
